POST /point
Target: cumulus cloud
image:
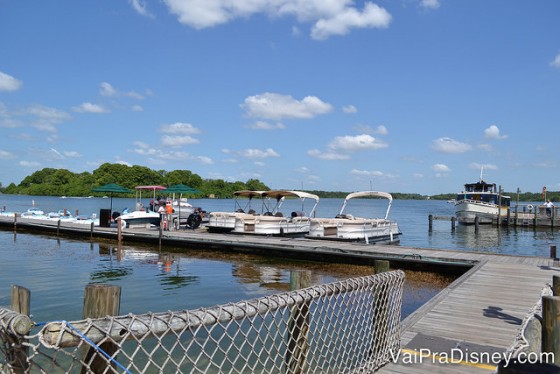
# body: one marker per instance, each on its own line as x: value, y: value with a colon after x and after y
x: 493, y: 132
x: 356, y: 143
x: 350, y: 109
x: 9, y: 83
x: 107, y: 90
x: 46, y: 118
x: 441, y: 168
x: 372, y: 16
x: 5, y: 155
x: 432, y: 4
x: 556, y: 62
x: 477, y: 166
x: 140, y: 7
x: 90, y: 108
x: 276, y: 106
x: 262, y: 125
x: 381, y: 130
x: 178, y: 141
x: 329, y: 155
x: 335, y: 17
x: 259, y: 153
x: 366, y: 173
x: 28, y: 164
x: 448, y: 145
x: 179, y: 128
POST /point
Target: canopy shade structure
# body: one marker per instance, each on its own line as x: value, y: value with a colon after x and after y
x: 181, y: 189
x: 112, y: 188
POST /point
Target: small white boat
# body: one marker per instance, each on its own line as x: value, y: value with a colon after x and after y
x: 481, y: 201
x: 346, y: 227
x: 273, y: 221
x: 225, y: 221
x: 34, y: 213
x: 141, y: 216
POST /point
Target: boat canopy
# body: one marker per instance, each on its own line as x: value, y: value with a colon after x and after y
x: 280, y: 195
x: 248, y: 194
x: 155, y: 188
x: 360, y: 194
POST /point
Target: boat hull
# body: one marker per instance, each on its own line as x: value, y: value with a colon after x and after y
x: 140, y: 218
x: 271, y: 225
x: 361, y: 230
x: 468, y: 211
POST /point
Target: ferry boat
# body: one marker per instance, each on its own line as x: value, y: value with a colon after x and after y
x: 482, y: 200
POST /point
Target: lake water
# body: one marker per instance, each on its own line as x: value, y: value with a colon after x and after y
x: 56, y: 270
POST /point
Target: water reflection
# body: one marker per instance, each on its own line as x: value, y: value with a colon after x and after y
x: 172, y: 276
x: 109, y: 267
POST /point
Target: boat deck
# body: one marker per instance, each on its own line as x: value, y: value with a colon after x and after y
x: 480, y: 312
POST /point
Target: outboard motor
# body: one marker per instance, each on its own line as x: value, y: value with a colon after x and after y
x: 194, y: 220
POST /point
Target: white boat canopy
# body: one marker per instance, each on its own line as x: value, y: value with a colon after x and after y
x: 280, y: 195
x: 360, y: 194
x: 248, y: 193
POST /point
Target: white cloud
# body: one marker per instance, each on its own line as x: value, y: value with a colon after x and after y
x: 477, y: 166
x: 448, y: 145
x: 71, y: 154
x: 381, y: 130
x: 556, y: 62
x: 493, y: 132
x: 106, y: 89
x: 334, y: 17
x: 140, y: 7
x: 356, y: 143
x: 90, y: 108
x: 441, y: 168
x: 5, y: 155
x: 180, y: 128
x: 9, y: 83
x: 374, y: 173
x: 262, y: 125
x: 258, y: 153
x: 137, y: 108
x: 28, y: 164
x: 372, y: 16
x: 276, y: 106
x: 432, y: 4
x: 350, y: 109
x: 327, y: 155
x: 177, y: 141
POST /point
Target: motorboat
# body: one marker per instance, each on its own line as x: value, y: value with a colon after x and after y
x: 481, y: 201
x: 34, y: 213
x: 141, y: 216
x: 225, y: 221
x: 273, y: 221
x: 347, y: 227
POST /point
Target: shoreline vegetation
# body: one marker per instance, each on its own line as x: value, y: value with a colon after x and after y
x: 62, y: 182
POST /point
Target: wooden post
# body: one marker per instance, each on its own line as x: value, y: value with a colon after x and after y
x: 298, y: 326
x: 20, y: 303
x: 453, y: 221
x: 119, y: 229
x: 556, y: 285
x: 508, y: 216
x: 476, y: 224
x: 91, y: 230
x: 100, y: 300
x: 551, y: 326
x: 58, y: 227
x: 430, y: 222
x: 381, y: 266
x: 160, y: 231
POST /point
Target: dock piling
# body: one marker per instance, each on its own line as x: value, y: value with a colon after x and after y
x: 551, y: 326
x: 20, y: 303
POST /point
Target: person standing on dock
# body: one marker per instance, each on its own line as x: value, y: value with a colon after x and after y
x: 549, y: 207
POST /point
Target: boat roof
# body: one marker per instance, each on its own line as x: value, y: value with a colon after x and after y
x: 150, y: 188
x: 278, y: 194
x: 359, y: 194
x: 248, y: 193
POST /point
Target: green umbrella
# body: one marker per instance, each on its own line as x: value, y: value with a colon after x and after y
x: 181, y: 189
x: 112, y: 188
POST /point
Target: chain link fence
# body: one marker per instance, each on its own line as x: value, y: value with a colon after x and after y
x: 349, y: 326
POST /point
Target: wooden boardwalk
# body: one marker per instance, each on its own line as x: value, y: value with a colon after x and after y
x: 480, y: 312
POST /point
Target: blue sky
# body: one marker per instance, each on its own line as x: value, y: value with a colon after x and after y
x: 337, y: 95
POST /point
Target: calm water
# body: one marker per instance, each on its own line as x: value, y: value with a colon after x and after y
x: 57, y: 269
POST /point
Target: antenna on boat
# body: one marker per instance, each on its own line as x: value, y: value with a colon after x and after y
x: 481, y: 169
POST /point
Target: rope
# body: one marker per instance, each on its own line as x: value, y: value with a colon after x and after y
x: 91, y: 343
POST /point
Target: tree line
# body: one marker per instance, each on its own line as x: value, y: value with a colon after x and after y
x: 62, y: 182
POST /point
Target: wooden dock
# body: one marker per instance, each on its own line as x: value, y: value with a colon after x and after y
x: 480, y: 312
